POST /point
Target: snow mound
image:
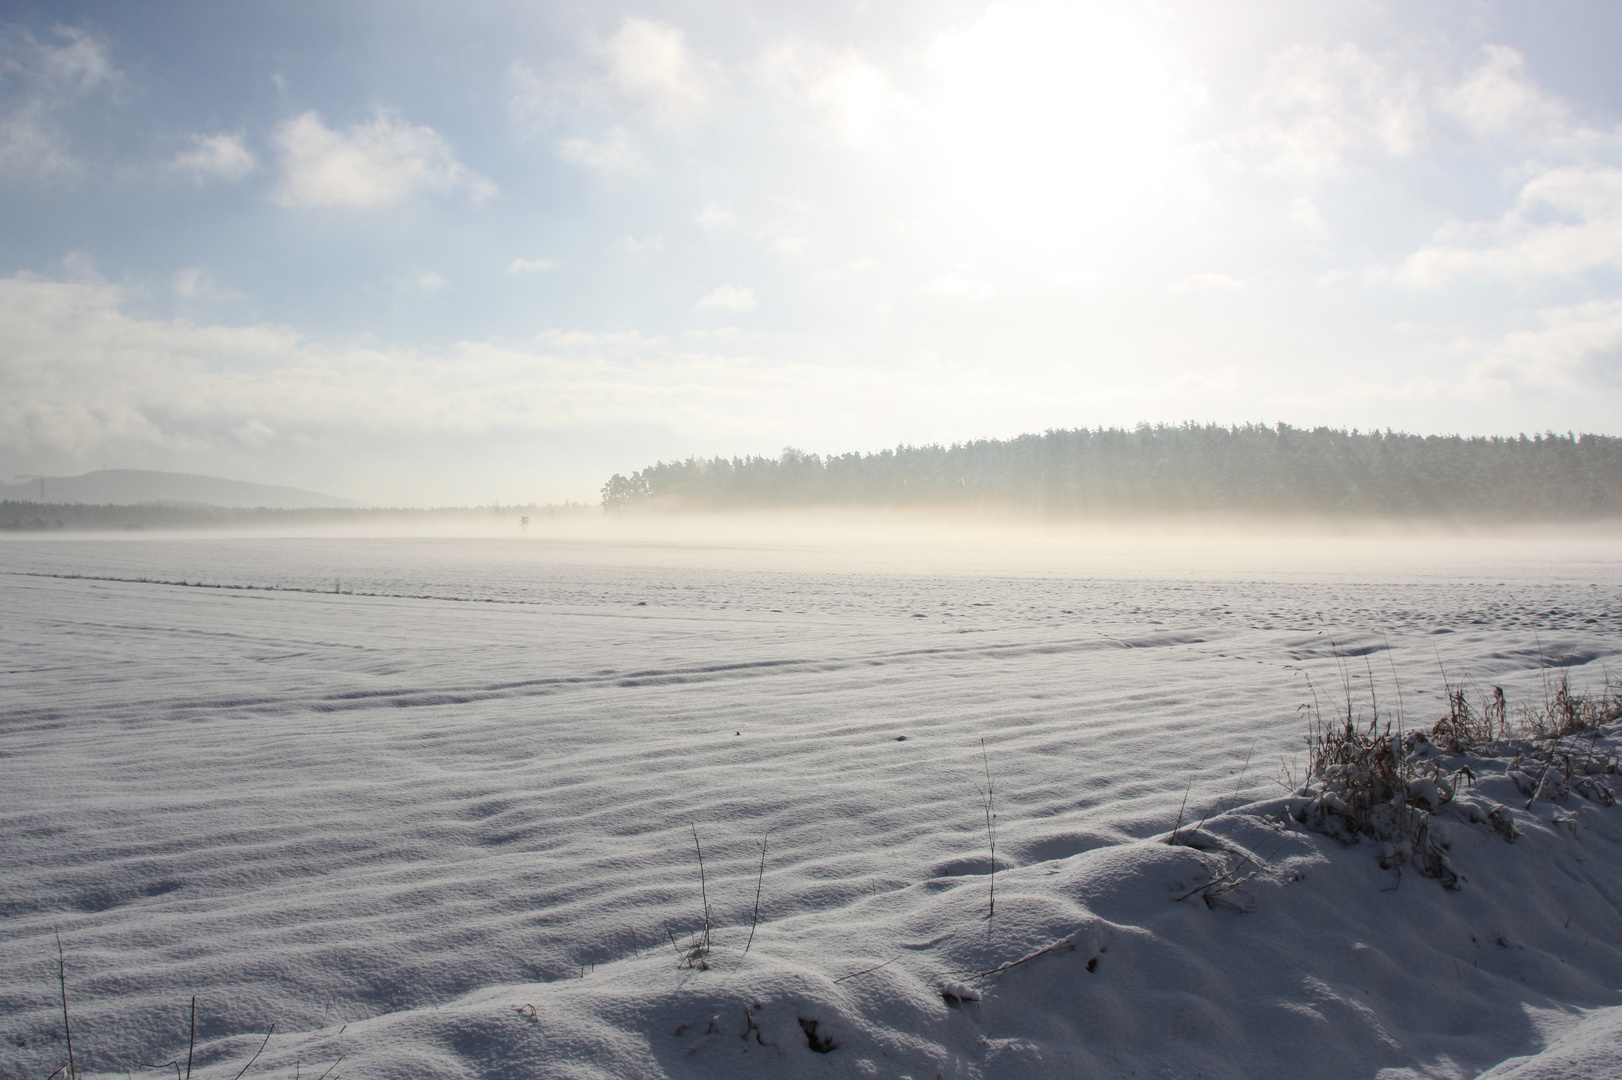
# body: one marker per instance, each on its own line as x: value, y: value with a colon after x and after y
x: 1317, y: 961
x: 1590, y: 1048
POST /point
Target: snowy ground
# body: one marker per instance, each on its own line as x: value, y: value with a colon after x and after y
x: 440, y: 822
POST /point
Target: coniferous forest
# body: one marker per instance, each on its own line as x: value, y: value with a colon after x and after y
x: 1167, y: 469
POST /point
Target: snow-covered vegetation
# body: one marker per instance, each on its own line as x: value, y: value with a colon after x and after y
x: 536, y: 808
x: 1170, y: 469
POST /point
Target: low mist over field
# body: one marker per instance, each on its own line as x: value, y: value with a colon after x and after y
x: 1177, y: 478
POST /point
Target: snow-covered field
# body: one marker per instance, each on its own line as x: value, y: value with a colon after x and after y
x: 435, y: 815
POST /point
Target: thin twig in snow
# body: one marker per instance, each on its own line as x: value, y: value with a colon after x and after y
x: 759, y: 880
x: 62, y: 980
x: 1180, y: 808
x: 988, y: 799
x: 703, y: 889
x: 866, y: 971
x: 1065, y: 945
x: 256, y: 1053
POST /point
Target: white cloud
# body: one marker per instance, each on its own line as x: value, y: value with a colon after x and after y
x: 531, y: 266
x: 1499, y: 100
x: 255, y: 433
x: 382, y: 162
x: 430, y: 282
x: 1585, y: 233
x: 30, y: 144
x: 1322, y: 109
x: 78, y: 65
x: 728, y: 298
x: 1576, y: 345
x: 860, y: 100
x: 650, y: 62
x: 785, y: 228
x: 189, y: 282
x: 962, y: 283
x: 1324, y: 106
x: 42, y: 80
x: 1206, y: 282
x: 216, y: 157
x: 79, y: 372
x: 645, y: 65
x: 857, y: 99
x: 645, y: 68
x: 614, y: 154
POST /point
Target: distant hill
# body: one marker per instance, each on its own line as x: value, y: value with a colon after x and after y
x: 1163, y: 469
x: 130, y: 487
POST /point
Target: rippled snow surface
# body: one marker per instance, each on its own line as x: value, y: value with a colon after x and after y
x: 320, y: 783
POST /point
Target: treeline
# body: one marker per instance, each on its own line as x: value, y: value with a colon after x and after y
x: 1168, y: 469
x: 67, y: 517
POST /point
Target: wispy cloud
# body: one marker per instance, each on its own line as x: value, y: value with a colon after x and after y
x: 640, y: 248
x: 1499, y: 100
x: 1565, y: 223
x: 1576, y: 345
x: 650, y: 62
x: 81, y: 372
x: 786, y: 227
x: 1323, y: 107
x: 856, y: 99
x: 195, y: 283
x: 39, y: 82
x: 643, y: 76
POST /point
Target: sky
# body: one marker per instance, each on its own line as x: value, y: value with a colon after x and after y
x: 447, y: 254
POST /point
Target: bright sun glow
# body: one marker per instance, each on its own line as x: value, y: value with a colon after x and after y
x: 1053, y: 123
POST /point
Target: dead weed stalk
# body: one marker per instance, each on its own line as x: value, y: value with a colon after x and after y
x: 1367, y: 782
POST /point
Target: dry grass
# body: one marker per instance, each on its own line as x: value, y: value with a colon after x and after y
x: 1366, y: 781
x: 988, y: 802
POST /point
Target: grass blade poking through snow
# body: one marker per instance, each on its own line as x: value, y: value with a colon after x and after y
x: 988, y: 797
x: 759, y: 879
x: 701, y: 944
x: 62, y: 981
x: 256, y: 1053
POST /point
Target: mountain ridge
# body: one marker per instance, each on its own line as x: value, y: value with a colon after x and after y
x: 132, y: 487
